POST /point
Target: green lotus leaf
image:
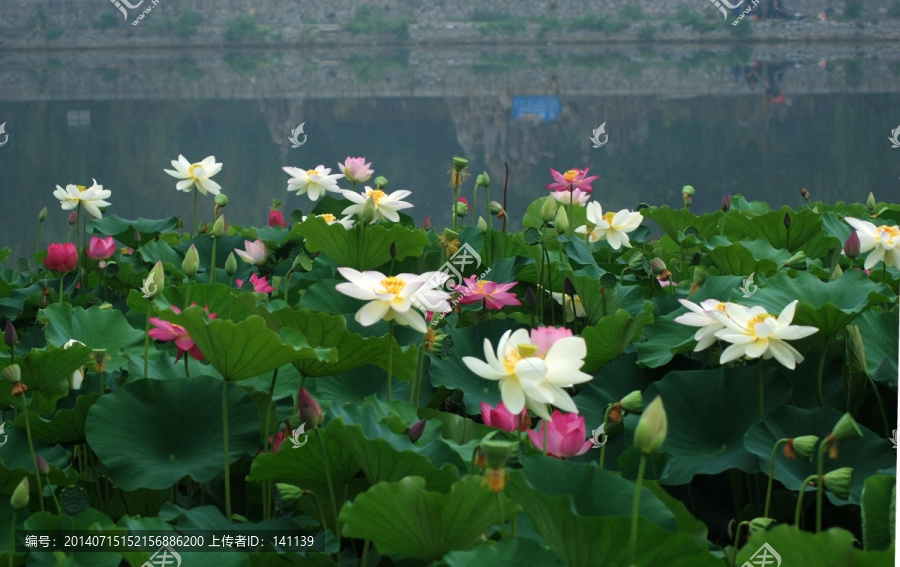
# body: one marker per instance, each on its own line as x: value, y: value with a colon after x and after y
x: 15, y: 459
x: 751, y: 208
x: 674, y: 221
x: 153, y: 433
x: 518, y: 551
x: 607, y: 340
x: 47, y: 372
x: 583, y: 541
x: 745, y: 257
x: 361, y: 248
x: 92, y: 520
x: 708, y: 412
x: 806, y: 232
x: 879, y: 333
x: 66, y: 425
x: 831, y: 548
x: 665, y: 339
x: 245, y: 349
x: 878, y: 503
x: 865, y: 455
x: 402, y: 517
x: 123, y: 230
x: 598, y: 304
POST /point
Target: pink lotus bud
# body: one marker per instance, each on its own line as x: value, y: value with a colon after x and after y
x: 73, y: 217
x: 309, y: 410
x: 415, y: 430
x: 276, y: 218
x: 851, y: 246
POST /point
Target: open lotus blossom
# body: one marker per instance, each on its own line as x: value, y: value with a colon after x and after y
x: 91, y: 198
x: 254, y: 252
x: 574, y: 307
x: 612, y: 227
x: 313, y: 182
x: 494, y: 295
x: 196, y: 175
x: 883, y: 241
x: 501, y: 418
x: 566, y: 435
x: 166, y: 331
x: 709, y: 316
x: 571, y: 180
x: 755, y: 333
x: 528, y: 378
x: 260, y: 285
x: 101, y: 248
x: 578, y: 196
x: 356, y: 170
x: 386, y: 204
x: 390, y: 298
x: 346, y: 222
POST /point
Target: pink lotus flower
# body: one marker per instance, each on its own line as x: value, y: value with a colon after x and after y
x: 166, y: 331
x: 260, y: 285
x: 578, y: 196
x: 61, y: 258
x: 571, y: 180
x: 277, y: 439
x: 254, y: 252
x: 495, y: 295
x: 546, y: 337
x: 566, y: 435
x: 101, y: 248
x: 276, y: 218
x: 501, y: 418
x: 356, y: 170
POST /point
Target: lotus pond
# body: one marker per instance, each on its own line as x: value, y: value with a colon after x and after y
x: 653, y: 386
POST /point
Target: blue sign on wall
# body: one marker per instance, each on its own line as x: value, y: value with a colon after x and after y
x: 537, y: 108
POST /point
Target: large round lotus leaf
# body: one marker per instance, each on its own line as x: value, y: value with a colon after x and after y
x: 152, y: 433
x: 519, y: 551
x: 865, y: 455
x: 832, y: 548
x: 708, y: 413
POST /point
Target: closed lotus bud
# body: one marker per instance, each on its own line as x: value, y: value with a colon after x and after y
x: 699, y: 275
x: 651, y: 430
x: 837, y: 273
x: 414, y: 432
x: 426, y: 224
x: 530, y: 298
x: 393, y: 250
x: 797, y: 261
x: 368, y: 213
x: 158, y: 280
x: 43, y: 467
x: 497, y: 208
x: 191, y: 262
x: 460, y: 164
x: 218, y: 228
x: 633, y: 402
x: 657, y: 266
x: 636, y: 263
x: 484, y: 180
x: 805, y: 194
x: 221, y: 200
x: 805, y: 446
x: 760, y: 525
x: 787, y: 220
x: 846, y: 429
x: 231, y: 265
x: 42, y: 216
x: 726, y: 202
x: 851, y: 246
x: 290, y: 494
x: 870, y: 202
x: 309, y: 410
x: 10, y: 336
x: 562, y: 220
x: 19, y: 498
x: 381, y: 182
x: 548, y: 210
x: 838, y: 482
x: 482, y: 224
x: 73, y: 217
x: 461, y: 207
x: 568, y: 287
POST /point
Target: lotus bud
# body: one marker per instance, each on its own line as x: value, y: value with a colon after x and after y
x: 562, y: 220
x: 760, y: 525
x: 657, y: 266
x: 460, y: 164
x: 309, y: 410
x: 636, y: 263
x: 726, y: 202
x: 414, y: 432
x: 381, y: 182
x: 426, y: 224
x: 805, y: 194
x: 870, y: 202
x: 797, y: 261
x: 497, y: 452
x: 837, y: 273
x: 157, y: 279
x: 19, y: 498
x: 368, y: 213
x: 548, y: 210
x: 805, y: 446
x: 699, y: 276
x: 530, y: 298
x: 787, y: 220
x: 484, y: 180
x: 651, y: 430
x: 290, y: 494
x: 461, y: 207
x: 218, y: 228
x: 10, y: 336
x: 73, y: 217
x: 393, y: 250
x: 482, y: 224
x: 43, y: 467
x: 633, y: 402
x: 845, y: 429
x: 497, y: 208
x: 838, y: 482
x: 136, y: 236
x: 231, y: 265
x: 851, y: 246
x: 191, y: 262
x: 42, y: 216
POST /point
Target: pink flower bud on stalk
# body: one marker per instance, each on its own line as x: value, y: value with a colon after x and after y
x: 851, y: 246
x: 309, y: 410
x: 414, y: 432
x: 726, y: 202
x: 73, y: 217
x: 10, y: 336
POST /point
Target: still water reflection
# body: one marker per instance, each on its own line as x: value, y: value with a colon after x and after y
x: 761, y: 123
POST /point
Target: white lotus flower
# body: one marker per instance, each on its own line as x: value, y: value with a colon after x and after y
x: 313, y: 182
x: 78, y: 374
x: 612, y: 227
x: 755, y: 333
x: 390, y: 297
x: 90, y: 198
x: 884, y: 241
x: 579, y: 196
x: 386, y: 205
x: 196, y: 175
x: 708, y: 316
x: 346, y: 222
x: 573, y: 307
x: 530, y: 379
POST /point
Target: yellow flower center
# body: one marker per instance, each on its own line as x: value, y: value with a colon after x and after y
x: 311, y: 172
x: 721, y: 307
x: 329, y: 218
x: 892, y: 230
x: 377, y: 195
x: 521, y: 352
x: 570, y: 175
x: 751, y: 325
x: 608, y: 217
x: 393, y: 285
x: 481, y: 287
x: 191, y: 169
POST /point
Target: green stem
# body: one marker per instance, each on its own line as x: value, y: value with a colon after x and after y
x: 287, y: 281
x: 602, y: 455
x: 737, y: 537
x: 37, y: 473
x: 487, y: 197
x: 147, y: 339
x: 884, y: 419
x: 337, y: 529
x: 550, y: 281
x: 799, y: 507
x: 502, y: 517
x: 227, y: 464
x: 635, y: 507
x: 37, y: 245
x: 365, y: 555
x: 62, y: 278
x: 187, y: 371
x: 771, y: 475
x: 390, y: 368
x: 194, y: 221
x: 820, y: 484
x: 821, y: 370
x: 319, y: 506
x: 417, y: 379
x: 762, y: 399
x: 212, y: 262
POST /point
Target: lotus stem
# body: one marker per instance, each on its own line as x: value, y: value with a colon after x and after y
x: 147, y: 339
x: 227, y: 467
x: 487, y: 199
x: 337, y: 526
x: 37, y: 245
x: 772, y: 472
x: 884, y: 419
x: 822, y: 370
x: 62, y: 278
x: 267, y: 486
x: 390, y: 368
x: 820, y: 484
x: 762, y: 399
x: 37, y: 472
x: 799, y: 508
x: 417, y: 377
x: 502, y: 516
x: 549, y: 281
x: 212, y: 261
x: 194, y: 221
x: 635, y: 507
